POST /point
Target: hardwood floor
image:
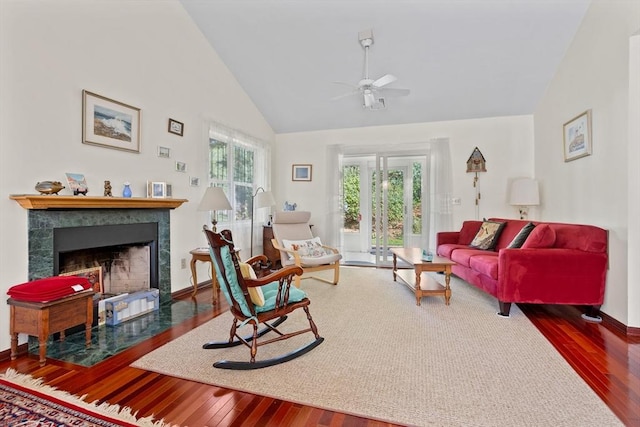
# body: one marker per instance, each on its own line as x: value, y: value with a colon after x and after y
x: 607, y: 360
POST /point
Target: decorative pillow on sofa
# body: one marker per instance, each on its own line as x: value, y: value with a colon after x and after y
x: 543, y: 236
x: 255, y: 293
x: 521, y: 237
x: 487, y: 236
x: 311, y: 248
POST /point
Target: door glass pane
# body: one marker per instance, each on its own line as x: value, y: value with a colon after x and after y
x: 416, y: 199
x: 395, y: 207
x: 351, y: 191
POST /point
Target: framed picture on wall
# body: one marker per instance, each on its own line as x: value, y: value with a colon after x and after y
x: 176, y: 127
x: 577, y: 137
x: 109, y: 123
x: 301, y: 173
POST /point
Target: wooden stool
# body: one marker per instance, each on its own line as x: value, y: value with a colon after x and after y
x: 41, y: 319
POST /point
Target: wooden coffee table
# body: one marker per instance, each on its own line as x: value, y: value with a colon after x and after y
x: 422, y: 284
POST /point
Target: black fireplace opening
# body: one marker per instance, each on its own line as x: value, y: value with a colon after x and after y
x: 103, y: 245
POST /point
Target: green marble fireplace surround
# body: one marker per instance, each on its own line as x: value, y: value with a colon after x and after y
x: 42, y: 223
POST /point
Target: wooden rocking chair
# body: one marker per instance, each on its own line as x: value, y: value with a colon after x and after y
x: 280, y: 298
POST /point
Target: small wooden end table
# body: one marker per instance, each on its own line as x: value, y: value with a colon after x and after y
x: 423, y: 285
x: 202, y: 254
x: 41, y: 319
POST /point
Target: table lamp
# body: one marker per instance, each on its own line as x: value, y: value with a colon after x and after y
x: 214, y: 200
x: 524, y: 193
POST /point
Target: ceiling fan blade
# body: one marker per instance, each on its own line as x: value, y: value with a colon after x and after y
x: 351, y: 85
x: 384, y: 80
x: 394, y: 92
x: 344, y: 95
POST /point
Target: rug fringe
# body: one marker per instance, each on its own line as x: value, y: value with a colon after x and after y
x: 112, y: 410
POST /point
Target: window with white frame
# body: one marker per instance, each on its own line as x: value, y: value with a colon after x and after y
x: 237, y: 163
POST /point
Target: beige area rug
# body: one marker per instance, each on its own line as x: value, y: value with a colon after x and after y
x: 386, y: 358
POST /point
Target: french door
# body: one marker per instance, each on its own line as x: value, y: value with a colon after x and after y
x: 384, y: 200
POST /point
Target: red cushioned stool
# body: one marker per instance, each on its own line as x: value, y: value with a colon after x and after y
x: 46, y: 306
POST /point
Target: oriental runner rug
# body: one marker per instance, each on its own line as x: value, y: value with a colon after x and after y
x: 385, y: 358
x: 26, y: 401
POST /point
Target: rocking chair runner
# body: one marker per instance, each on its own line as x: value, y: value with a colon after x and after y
x: 280, y: 298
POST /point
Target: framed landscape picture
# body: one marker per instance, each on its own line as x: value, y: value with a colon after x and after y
x: 109, y: 123
x: 301, y: 173
x: 577, y: 137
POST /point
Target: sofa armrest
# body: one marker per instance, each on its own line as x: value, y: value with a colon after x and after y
x: 444, y: 237
x: 551, y: 276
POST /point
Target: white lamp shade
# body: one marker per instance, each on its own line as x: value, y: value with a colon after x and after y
x: 264, y: 199
x: 524, y: 192
x: 214, y: 199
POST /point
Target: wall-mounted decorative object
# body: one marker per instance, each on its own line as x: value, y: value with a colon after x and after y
x: 164, y: 152
x: 77, y: 183
x: 476, y: 163
x: 49, y: 187
x: 109, y: 123
x: 156, y: 189
x: 181, y: 166
x: 107, y: 189
x: 93, y: 275
x: 301, y: 173
x: 176, y: 127
x: 194, y: 181
x: 169, y: 190
x: 577, y: 137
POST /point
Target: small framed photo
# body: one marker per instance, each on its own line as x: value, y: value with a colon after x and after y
x: 109, y: 123
x: 156, y: 189
x: 181, y: 167
x: 577, y: 137
x: 93, y: 275
x: 164, y: 152
x: 301, y: 173
x: 176, y: 127
x: 77, y: 183
x: 194, y: 181
x: 169, y: 190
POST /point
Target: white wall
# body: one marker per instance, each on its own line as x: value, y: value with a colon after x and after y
x: 148, y: 54
x: 594, y: 190
x: 505, y: 142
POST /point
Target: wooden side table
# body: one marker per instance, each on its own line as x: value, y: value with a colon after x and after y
x: 41, y: 319
x: 267, y: 247
x: 202, y: 255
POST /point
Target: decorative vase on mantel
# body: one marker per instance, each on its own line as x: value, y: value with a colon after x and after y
x: 126, y: 191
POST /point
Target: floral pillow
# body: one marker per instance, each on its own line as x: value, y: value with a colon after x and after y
x: 306, y: 248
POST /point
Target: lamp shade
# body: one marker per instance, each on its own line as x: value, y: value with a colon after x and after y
x: 214, y: 199
x: 524, y: 192
x: 264, y: 199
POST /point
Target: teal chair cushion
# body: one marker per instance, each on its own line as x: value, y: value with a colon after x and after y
x: 270, y: 292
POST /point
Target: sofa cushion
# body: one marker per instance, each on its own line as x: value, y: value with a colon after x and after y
x: 486, y: 264
x: 463, y: 256
x: 468, y: 231
x: 487, y: 236
x: 543, y: 236
x: 521, y: 237
x: 446, y: 249
x: 255, y: 292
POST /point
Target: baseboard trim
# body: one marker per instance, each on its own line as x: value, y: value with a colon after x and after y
x: 5, y: 355
x: 618, y: 326
x: 188, y: 291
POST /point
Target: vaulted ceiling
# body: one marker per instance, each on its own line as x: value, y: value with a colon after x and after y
x: 460, y: 59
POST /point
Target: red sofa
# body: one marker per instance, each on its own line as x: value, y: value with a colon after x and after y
x: 557, y: 264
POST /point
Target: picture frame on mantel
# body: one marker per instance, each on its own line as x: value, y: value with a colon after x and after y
x: 109, y: 123
x: 577, y: 137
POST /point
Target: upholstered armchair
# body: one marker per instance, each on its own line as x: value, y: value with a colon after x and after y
x: 297, y: 246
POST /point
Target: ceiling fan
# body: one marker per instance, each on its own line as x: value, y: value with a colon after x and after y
x: 371, y: 90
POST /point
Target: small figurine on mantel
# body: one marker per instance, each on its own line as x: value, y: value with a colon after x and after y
x: 107, y: 189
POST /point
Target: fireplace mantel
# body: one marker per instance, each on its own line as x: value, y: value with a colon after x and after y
x: 37, y: 201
